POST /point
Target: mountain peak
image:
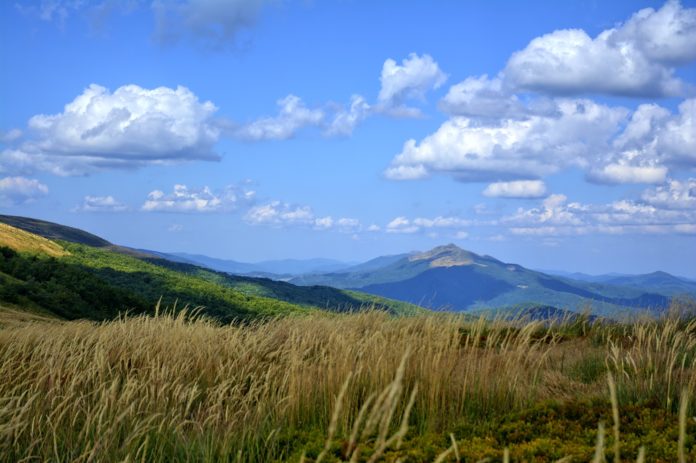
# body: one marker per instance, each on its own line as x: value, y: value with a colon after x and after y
x: 448, y: 255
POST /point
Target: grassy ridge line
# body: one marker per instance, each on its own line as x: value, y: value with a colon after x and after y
x: 23, y: 241
x: 176, y: 389
x: 53, y: 231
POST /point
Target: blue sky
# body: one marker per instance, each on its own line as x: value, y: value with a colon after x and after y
x: 557, y: 135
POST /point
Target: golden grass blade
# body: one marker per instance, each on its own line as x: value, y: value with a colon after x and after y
x: 683, y: 407
x: 615, y: 415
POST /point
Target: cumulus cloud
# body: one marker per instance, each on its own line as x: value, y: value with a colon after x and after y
x: 514, y: 126
x: 345, y: 120
x: 185, y: 199
x: 634, y: 59
x: 516, y: 189
x: 554, y: 210
x: 100, y: 204
x: 282, y: 214
x: 611, y: 144
x: 652, y: 141
x: 485, y: 98
x: 20, y: 190
x: 511, y: 149
x: 674, y: 195
x: 654, y: 214
x: 403, y: 224
x: 128, y: 128
x: 277, y: 213
x: 293, y: 115
x: 213, y: 23
x: 10, y: 135
x: 412, y: 79
x: 623, y: 172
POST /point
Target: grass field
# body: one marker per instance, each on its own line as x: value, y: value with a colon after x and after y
x: 347, y: 387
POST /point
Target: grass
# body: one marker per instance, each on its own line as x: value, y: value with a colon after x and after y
x: 28, y: 242
x: 361, y: 387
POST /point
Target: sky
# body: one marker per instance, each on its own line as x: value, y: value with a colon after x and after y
x: 556, y: 135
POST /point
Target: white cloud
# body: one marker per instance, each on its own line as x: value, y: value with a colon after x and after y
x: 293, y: 115
x: 666, y: 35
x: 516, y: 189
x: 19, y: 190
x: 283, y: 214
x: 100, y: 204
x: 10, y: 135
x: 625, y: 173
x: 481, y: 97
x: 277, y: 212
x: 580, y: 133
x: 345, y: 121
x: 214, y: 23
x: 128, y: 128
x: 674, y: 195
x: 323, y: 223
x: 663, y: 212
x: 554, y: 210
x: 412, y: 79
x: 402, y: 224
x: 346, y: 223
x: 635, y: 58
x: 511, y: 149
x: 653, y: 141
x: 185, y: 199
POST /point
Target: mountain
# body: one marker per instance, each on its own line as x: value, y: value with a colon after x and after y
x: 70, y: 279
x: 660, y: 282
x: 450, y: 278
x: 583, y: 276
x: 284, y: 267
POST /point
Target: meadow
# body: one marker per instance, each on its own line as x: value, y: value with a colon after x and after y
x: 360, y: 387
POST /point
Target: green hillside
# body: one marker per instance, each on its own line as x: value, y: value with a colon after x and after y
x: 101, y: 282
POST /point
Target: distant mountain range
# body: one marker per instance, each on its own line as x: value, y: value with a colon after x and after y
x: 450, y: 278
x: 276, y: 268
x: 444, y: 278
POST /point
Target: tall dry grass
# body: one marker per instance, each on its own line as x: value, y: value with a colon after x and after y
x: 183, y: 388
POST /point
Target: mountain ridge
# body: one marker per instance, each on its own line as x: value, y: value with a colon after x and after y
x: 453, y: 278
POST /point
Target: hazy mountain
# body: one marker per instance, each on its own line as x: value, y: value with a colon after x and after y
x: 448, y: 277
x: 287, y: 267
x: 660, y: 282
x: 583, y: 276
